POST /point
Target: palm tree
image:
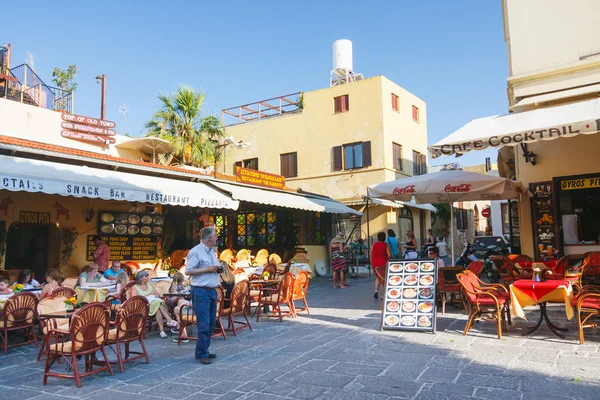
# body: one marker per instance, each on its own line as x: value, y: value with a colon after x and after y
x: 193, y: 138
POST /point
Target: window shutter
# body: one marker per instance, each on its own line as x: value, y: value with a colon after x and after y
x: 345, y: 103
x: 294, y: 164
x: 423, y: 164
x: 337, y: 158
x: 337, y: 104
x: 366, y: 154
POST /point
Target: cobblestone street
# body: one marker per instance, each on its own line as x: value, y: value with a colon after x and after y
x: 338, y: 352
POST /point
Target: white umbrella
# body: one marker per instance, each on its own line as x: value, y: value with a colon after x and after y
x: 148, y: 144
x: 448, y: 187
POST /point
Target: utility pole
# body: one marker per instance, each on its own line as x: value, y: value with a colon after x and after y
x: 103, y: 96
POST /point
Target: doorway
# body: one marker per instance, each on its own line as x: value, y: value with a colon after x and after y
x: 33, y: 246
x: 405, y: 224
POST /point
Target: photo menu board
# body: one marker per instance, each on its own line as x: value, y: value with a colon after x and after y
x: 544, y: 221
x: 409, y: 298
x: 126, y: 248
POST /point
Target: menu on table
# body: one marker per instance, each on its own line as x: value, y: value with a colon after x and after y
x: 409, y: 297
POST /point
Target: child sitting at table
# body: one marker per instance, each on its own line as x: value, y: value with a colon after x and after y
x: 4, y: 289
x: 176, y: 303
x: 120, y: 281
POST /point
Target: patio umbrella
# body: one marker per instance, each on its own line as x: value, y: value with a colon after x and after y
x: 447, y: 187
x: 149, y: 144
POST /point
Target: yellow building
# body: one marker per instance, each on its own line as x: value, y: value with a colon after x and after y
x: 337, y: 141
x: 553, y: 88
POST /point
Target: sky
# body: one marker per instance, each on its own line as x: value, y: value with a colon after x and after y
x: 451, y: 54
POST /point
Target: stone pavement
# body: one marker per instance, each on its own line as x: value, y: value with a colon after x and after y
x: 338, y: 352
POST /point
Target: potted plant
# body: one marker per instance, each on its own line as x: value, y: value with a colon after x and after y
x: 70, y: 303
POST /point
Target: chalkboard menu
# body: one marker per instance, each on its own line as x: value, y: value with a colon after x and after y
x: 409, y: 298
x: 543, y: 221
x: 126, y: 247
x: 128, y: 224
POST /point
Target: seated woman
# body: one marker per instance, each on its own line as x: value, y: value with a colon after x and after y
x: 26, y: 279
x: 91, y: 277
x: 158, y: 308
x: 53, y: 281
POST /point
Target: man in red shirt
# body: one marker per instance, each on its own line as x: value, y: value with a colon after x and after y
x: 102, y: 254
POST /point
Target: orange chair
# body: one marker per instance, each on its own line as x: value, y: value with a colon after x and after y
x: 587, y: 305
x: 507, y: 270
x: 132, y: 265
x: 570, y: 269
x: 300, y: 290
x: 476, y: 267
x: 19, y: 313
x: 48, y: 305
x: 276, y: 297
x: 130, y: 326
x: 188, y: 318
x: 87, y: 335
x: 591, y: 268
x: 494, y: 288
x: 479, y: 301
x: 238, y: 305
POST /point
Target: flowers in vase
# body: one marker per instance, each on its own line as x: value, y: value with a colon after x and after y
x: 265, y: 276
x: 18, y: 288
x: 71, y: 302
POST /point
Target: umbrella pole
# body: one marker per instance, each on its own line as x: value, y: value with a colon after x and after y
x: 452, y: 231
x: 153, y: 155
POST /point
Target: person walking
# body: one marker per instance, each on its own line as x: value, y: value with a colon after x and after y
x: 204, y: 268
x: 443, y: 250
x: 380, y: 254
x: 392, y: 241
x: 339, y: 268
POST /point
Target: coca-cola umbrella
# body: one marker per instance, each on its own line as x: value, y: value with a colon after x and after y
x: 447, y: 187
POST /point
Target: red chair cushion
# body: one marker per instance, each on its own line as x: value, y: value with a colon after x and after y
x: 489, y: 301
x: 588, y: 303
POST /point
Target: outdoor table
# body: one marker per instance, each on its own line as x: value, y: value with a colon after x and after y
x: 58, y: 314
x: 4, y: 297
x: 86, y: 294
x: 526, y: 292
x: 297, y: 267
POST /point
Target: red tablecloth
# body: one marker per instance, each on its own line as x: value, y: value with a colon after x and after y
x: 526, y: 292
x: 538, y: 264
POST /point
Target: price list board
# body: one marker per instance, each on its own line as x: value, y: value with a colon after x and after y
x: 126, y: 248
x: 409, y: 297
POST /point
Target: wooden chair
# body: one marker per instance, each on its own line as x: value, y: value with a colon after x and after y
x: 243, y: 254
x: 240, y: 275
x: 495, y: 288
x: 478, y: 301
x: 518, y: 258
x: 507, y: 270
x: 19, y: 313
x: 185, y: 253
x: 271, y: 269
x: 87, y: 335
x: 48, y: 305
x: 302, y: 258
x: 130, y: 326
x: 64, y: 292
x: 262, y: 253
x: 274, y: 259
x: 569, y: 268
x: 300, y: 290
x: 276, y: 297
x: 177, y: 258
x: 113, y: 301
x: 238, y: 305
x: 448, y: 286
x: 70, y: 282
x: 188, y: 318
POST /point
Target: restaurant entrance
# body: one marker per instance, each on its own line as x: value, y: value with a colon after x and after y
x: 33, y: 246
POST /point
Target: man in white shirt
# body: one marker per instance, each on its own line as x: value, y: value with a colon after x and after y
x: 204, y: 267
x: 443, y: 250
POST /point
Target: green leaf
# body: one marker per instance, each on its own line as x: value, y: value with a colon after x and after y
x: 576, y: 380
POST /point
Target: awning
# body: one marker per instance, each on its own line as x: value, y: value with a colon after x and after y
x: 22, y: 174
x: 280, y: 198
x: 560, y: 95
x: 412, y: 204
x: 526, y: 127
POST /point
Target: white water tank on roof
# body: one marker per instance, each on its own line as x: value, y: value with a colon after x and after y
x: 342, y: 54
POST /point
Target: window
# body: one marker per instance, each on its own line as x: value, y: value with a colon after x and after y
x: 462, y: 219
x: 505, y: 220
x: 415, y: 112
x: 256, y: 228
x: 251, y: 163
x: 395, y: 102
x: 221, y: 225
x: 289, y: 165
x: 419, y: 163
x: 341, y: 104
x: 397, y: 156
x: 352, y: 156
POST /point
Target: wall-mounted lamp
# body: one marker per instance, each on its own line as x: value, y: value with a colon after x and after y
x: 530, y: 156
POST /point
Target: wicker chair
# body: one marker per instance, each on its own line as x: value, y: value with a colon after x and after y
x: 70, y: 282
x: 276, y: 297
x: 587, y: 305
x: 48, y: 305
x: 130, y: 327
x: 64, y: 292
x: 263, y: 253
x: 302, y: 258
x: 243, y: 254
x: 299, y: 292
x: 261, y: 260
x: 188, y: 318
x: 238, y: 306
x: 87, y: 335
x: 19, y: 313
x: 274, y: 259
x: 226, y: 255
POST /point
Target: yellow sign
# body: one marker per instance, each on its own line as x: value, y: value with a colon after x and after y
x: 34, y: 217
x: 584, y: 183
x: 259, y: 178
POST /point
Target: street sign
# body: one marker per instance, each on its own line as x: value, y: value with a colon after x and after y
x: 88, y: 121
x: 485, y: 213
x: 87, y: 128
x: 88, y: 137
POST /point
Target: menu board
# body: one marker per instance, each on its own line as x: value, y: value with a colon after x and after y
x: 409, y: 298
x: 126, y: 248
x: 543, y: 218
x: 128, y: 224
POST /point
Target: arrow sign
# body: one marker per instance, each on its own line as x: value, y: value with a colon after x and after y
x: 88, y: 137
x: 87, y: 128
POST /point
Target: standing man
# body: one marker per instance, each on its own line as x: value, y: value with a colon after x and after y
x: 102, y: 254
x: 204, y: 268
